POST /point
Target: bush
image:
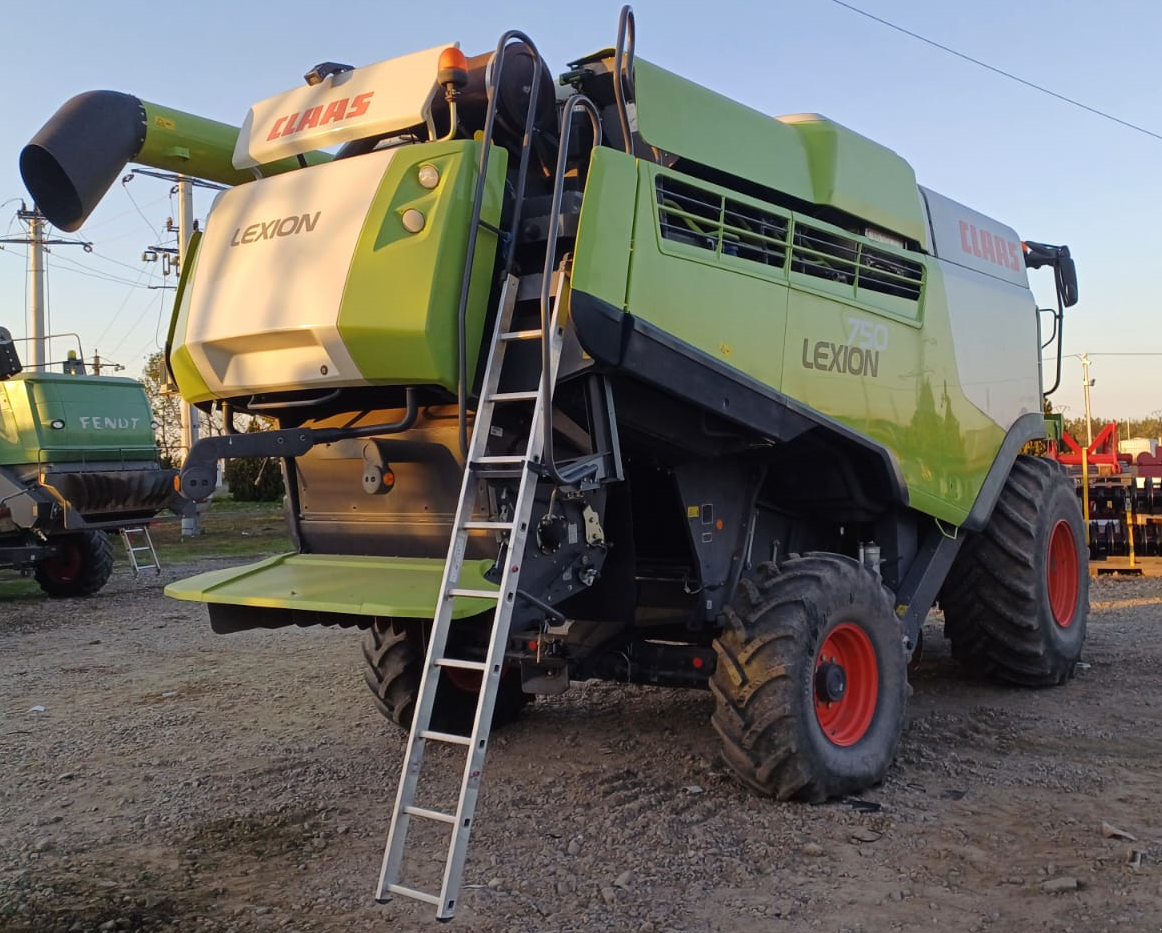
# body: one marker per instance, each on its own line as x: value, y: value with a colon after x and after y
x: 256, y: 479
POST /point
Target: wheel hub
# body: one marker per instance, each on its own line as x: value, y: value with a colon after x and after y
x: 846, y: 684
x: 1063, y: 571
x: 830, y: 682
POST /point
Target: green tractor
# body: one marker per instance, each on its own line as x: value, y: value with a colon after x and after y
x: 78, y: 461
x: 609, y: 378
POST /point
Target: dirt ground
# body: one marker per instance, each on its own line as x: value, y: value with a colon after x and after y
x: 157, y: 777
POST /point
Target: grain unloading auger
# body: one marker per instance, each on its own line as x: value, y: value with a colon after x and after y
x: 621, y: 379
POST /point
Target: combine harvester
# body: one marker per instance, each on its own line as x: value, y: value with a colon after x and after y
x: 78, y: 462
x: 614, y: 379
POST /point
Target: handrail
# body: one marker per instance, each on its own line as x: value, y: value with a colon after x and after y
x: 576, y: 102
x: 492, y: 82
x: 623, y: 72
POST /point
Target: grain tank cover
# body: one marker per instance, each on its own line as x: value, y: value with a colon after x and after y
x: 678, y: 116
x: 387, y: 97
x: 860, y: 177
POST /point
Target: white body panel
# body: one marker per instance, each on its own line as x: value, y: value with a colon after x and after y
x: 991, y: 310
x: 996, y: 337
x: 271, y: 270
x: 383, y: 98
x: 969, y: 238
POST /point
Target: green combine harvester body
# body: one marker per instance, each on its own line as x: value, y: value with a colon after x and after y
x: 78, y: 460
x: 615, y: 378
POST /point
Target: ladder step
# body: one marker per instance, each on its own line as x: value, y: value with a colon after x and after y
x: 415, y: 893
x: 513, y: 396
x: 488, y: 526
x: 522, y: 334
x: 476, y: 594
x: 495, y: 466
x: 427, y: 814
x: 449, y: 737
x: 461, y: 665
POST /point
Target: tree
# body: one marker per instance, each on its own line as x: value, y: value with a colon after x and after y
x: 1131, y: 427
x: 255, y: 479
x: 166, y: 406
x: 167, y: 411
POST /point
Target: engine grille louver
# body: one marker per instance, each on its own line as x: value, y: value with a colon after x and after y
x: 725, y: 226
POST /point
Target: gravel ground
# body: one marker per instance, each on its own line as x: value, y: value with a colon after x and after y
x: 157, y: 777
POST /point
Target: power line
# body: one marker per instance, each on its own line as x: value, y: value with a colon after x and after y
x: 1000, y: 71
x: 1077, y: 356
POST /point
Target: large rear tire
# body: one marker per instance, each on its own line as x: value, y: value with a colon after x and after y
x: 83, y: 565
x: 393, y: 654
x: 811, y: 681
x: 1017, y: 597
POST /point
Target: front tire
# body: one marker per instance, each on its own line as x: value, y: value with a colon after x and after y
x: 1017, y: 597
x: 83, y: 565
x: 393, y: 654
x: 811, y: 680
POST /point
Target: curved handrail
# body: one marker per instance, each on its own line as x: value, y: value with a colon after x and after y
x: 623, y: 71
x: 577, y: 101
x: 492, y: 82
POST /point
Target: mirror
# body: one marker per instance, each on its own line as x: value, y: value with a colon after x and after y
x: 1066, y: 273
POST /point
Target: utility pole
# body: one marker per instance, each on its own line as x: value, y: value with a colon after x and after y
x: 36, y: 329
x: 37, y: 241
x: 191, y: 525
x: 184, y: 189
x: 1086, y: 383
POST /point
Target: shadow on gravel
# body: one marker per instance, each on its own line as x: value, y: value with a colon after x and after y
x: 60, y: 902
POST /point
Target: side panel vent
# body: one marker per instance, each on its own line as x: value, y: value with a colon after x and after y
x: 868, y: 272
x: 850, y: 261
x: 721, y: 225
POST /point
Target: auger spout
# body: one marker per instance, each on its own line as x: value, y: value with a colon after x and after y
x: 83, y: 148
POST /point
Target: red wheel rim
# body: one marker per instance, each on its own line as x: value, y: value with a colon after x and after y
x: 65, y: 566
x: 846, y: 719
x: 462, y: 680
x: 1062, y: 574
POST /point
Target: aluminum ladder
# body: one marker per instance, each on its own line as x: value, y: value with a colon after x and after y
x: 133, y: 550
x: 486, y: 474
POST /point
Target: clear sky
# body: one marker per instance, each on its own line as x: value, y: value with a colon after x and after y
x: 1056, y: 173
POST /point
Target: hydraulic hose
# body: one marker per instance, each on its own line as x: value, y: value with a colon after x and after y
x: 84, y: 147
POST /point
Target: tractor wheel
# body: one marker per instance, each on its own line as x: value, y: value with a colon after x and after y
x: 394, y: 651
x: 82, y: 567
x: 811, y: 681
x: 1016, y: 599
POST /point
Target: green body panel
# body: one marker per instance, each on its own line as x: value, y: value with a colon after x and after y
x: 785, y: 328
x: 106, y: 418
x: 181, y: 142
x: 605, y: 229
x: 805, y: 156
x: 1055, y: 426
x: 181, y: 367
x: 861, y: 177
x: 707, y: 298
x: 912, y: 405
x: 398, y: 316
x: 681, y: 117
x: 395, y: 587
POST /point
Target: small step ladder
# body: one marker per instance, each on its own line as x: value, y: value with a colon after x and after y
x: 133, y: 551
x: 484, y: 476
